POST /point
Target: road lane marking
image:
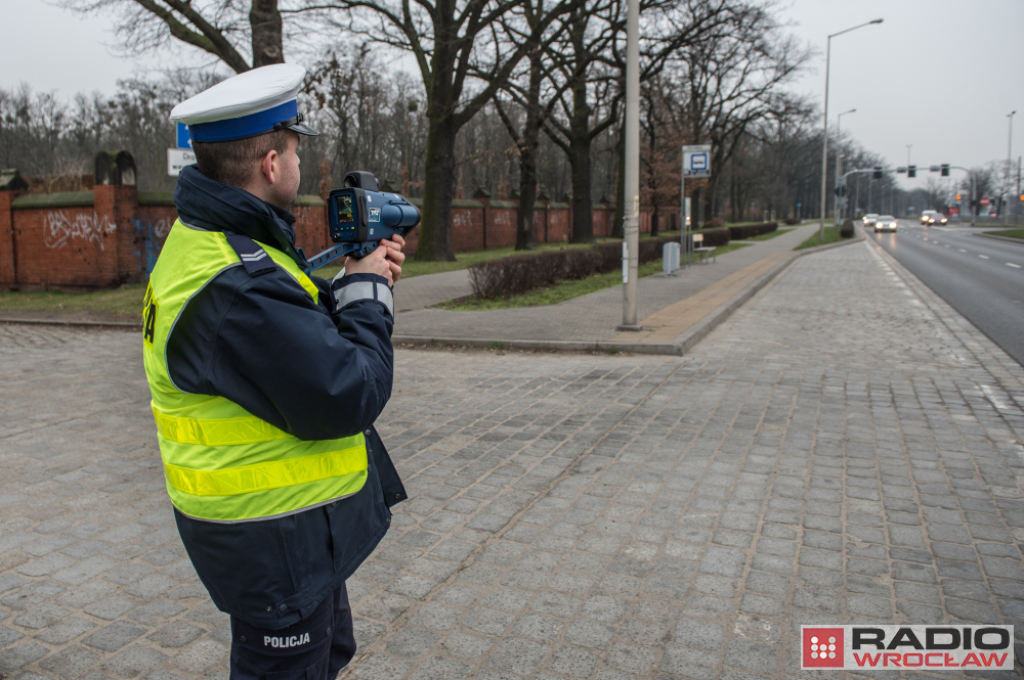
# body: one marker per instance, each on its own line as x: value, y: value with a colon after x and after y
x: 984, y: 257
x: 962, y: 250
x: 947, y: 245
x: 1015, y: 266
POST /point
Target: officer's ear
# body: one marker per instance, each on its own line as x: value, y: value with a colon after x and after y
x: 270, y: 166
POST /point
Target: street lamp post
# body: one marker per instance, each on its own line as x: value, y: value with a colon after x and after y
x: 824, y: 136
x: 1009, y: 157
x: 839, y: 157
x: 631, y: 221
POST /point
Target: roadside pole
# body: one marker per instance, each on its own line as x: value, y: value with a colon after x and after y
x: 696, y: 164
x: 684, y: 256
x: 632, y: 178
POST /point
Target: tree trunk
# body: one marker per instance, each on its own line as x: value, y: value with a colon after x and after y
x: 528, y: 157
x: 435, y: 240
x: 582, y: 204
x: 579, y: 159
x: 265, y: 21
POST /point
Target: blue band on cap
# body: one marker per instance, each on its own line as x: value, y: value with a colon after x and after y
x: 245, y: 126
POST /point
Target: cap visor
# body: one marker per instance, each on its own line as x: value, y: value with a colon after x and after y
x: 304, y: 129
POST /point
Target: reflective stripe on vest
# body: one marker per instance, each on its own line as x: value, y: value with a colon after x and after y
x: 219, y: 432
x: 221, y: 463
x: 265, y: 476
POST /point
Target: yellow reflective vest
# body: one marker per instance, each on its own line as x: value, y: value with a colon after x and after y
x: 221, y: 463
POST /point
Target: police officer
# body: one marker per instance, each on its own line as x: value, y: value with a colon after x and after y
x: 266, y: 383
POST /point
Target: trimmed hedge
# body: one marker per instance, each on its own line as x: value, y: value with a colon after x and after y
x: 846, y: 231
x: 751, y: 230
x: 790, y: 221
x: 714, y: 223
x: 517, y: 274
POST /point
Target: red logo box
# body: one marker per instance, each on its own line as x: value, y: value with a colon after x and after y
x: 822, y: 648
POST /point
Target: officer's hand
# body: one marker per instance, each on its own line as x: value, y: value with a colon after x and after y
x: 374, y: 263
x: 395, y: 255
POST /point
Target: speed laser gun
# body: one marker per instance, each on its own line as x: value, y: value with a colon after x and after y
x: 360, y: 217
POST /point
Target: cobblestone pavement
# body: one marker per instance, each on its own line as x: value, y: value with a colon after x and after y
x: 844, y: 449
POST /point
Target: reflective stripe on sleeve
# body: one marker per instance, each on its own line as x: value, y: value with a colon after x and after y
x: 384, y: 296
x: 265, y: 476
x: 364, y: 290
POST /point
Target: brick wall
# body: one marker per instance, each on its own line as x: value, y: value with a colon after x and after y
x: 113, y: 234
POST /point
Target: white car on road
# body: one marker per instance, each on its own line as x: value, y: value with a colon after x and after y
x: 885, y: 223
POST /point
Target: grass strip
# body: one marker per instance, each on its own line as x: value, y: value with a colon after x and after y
x: 1009, y: 233
x: 561, y: 292
x: 831, y: 236
x: 122, y: 304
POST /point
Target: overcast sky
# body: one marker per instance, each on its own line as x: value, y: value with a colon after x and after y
x: 938, y: 74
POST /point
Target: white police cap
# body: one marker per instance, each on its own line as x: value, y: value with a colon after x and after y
x: 249, y: 104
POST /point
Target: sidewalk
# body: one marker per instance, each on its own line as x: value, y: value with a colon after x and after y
x: 571, y: 516
x: 669, y: 306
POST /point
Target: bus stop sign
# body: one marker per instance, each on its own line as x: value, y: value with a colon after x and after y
x: 697, y: 161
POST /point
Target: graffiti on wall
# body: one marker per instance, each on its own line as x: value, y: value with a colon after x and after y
x: 60, y: 227
x: 162, y: 227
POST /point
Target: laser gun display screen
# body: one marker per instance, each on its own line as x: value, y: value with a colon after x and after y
x: 343, y: 203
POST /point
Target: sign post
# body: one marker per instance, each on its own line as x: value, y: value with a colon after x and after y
x: 696, y: 164
x: 182, y: 155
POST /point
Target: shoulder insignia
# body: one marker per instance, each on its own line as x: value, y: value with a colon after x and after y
x: 254, y: 258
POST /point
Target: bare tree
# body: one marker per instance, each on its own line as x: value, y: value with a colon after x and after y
x: 531, y: 90
x: 731, y: 79
x: 443, y: 36
x: 221, y: 28
x: 668, y: 28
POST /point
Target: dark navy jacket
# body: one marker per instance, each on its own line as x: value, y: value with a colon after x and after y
x: 311, y: 370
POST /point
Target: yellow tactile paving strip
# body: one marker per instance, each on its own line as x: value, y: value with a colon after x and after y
x: 666, y: 325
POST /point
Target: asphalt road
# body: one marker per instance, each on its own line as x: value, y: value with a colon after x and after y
x: 981, y: 278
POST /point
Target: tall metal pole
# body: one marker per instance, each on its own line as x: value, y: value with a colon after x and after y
x: 1009, y: 157
x: 824, y: 146
x: 839, y: 159
x: 824, y: 132
x: 631, y: 221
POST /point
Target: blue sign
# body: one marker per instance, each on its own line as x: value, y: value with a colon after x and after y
x: 184, y: 140
x: 698, y: 162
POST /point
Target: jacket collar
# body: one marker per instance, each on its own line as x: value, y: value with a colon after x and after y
x: 207, y: 204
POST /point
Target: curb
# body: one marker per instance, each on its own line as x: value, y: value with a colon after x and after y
x: 1008, y: 239
x: 127, y: 326
x: 550, y: 345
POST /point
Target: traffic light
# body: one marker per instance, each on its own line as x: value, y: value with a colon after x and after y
x: 878, y: 172
x: 912, y: 171
x: 944, y: 170
x: 958, y: 197
x: 841, y: 190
